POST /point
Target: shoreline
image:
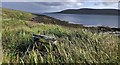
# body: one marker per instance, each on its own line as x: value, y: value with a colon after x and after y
x: 81, y: 23
x: 41, y: 18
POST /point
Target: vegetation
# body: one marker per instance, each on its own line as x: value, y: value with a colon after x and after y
x: 74, y: 45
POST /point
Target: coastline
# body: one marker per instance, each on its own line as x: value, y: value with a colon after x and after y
x: 41, y: 18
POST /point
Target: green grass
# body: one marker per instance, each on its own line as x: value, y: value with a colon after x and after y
x: 74, y: 45
x: 20, y: 15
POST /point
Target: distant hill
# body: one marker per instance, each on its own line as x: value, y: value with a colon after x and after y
x: 91, y: 11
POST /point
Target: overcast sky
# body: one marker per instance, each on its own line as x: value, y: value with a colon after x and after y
x: 42, y: 7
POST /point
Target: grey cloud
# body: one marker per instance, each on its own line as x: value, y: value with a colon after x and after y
x: 40, y: 7
x: 50, y: 3
x: 58, y: 0
x: 108, y: 3
x: 105, y: 3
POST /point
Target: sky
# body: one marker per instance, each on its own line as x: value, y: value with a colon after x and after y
x: 59, y: 0
x: 43, y: 7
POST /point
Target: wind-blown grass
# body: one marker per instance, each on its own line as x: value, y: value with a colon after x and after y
x: 74, y: 45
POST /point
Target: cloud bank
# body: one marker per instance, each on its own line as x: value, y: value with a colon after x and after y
x: 41, y: 7
x: 59, y: 0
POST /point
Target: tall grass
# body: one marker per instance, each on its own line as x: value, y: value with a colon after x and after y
x: 74, y: 45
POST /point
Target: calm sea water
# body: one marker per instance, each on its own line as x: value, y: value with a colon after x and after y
x: 88, y: 20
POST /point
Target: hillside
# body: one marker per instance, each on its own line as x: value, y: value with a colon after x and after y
x: 74, y: 45
x: 91, y: 11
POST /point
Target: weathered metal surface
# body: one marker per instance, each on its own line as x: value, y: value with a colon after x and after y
x: 45, y: 37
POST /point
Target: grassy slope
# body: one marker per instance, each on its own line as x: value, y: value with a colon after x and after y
x: 75, y: 45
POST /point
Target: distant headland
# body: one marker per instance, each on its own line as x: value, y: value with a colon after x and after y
x: 91, y: 11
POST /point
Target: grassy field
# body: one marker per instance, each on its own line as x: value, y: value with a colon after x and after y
x: 74, y: 45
